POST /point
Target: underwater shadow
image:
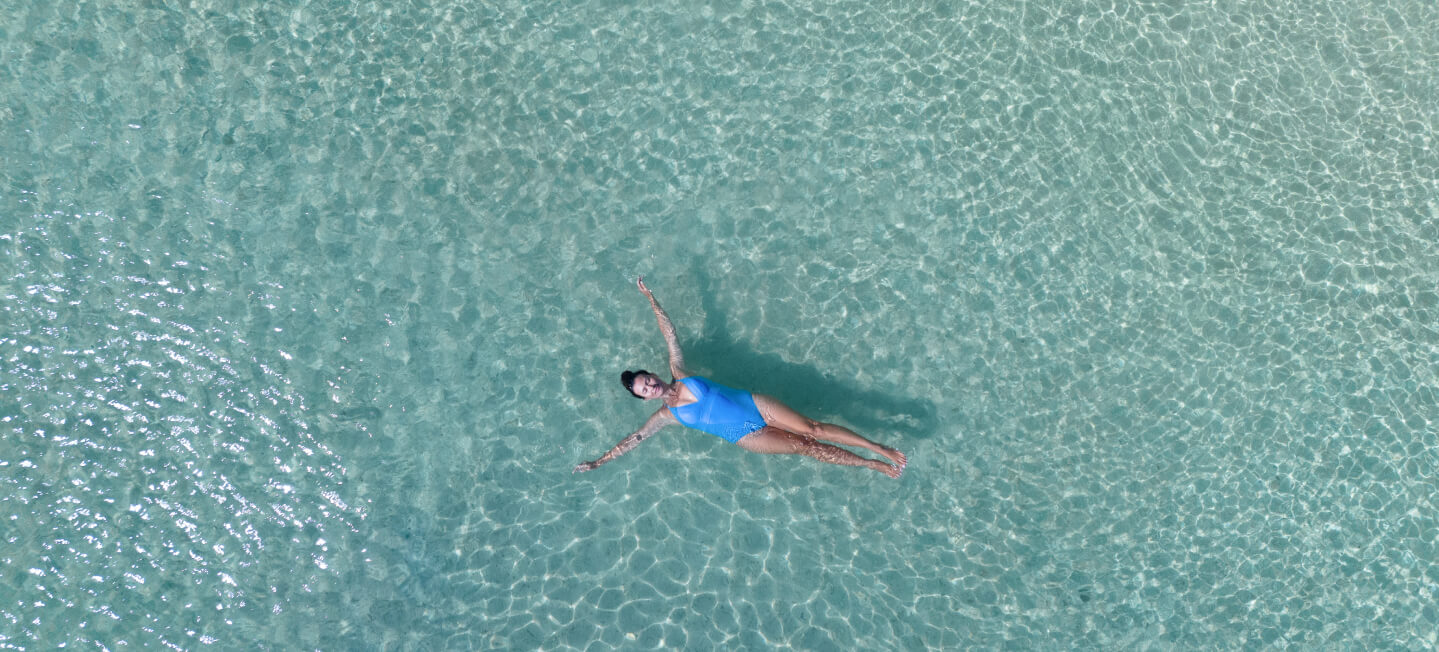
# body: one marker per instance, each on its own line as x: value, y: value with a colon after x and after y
x: 870, y: 411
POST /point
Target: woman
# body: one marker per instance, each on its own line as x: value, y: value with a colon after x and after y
x: 756, y: 422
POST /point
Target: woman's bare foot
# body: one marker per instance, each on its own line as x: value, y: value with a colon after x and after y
x: 894, y: 456
x: 890, y: 470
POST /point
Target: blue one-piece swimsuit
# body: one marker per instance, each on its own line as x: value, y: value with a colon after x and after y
x: 720, y: 411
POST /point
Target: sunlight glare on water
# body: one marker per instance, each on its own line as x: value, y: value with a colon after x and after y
x: 308, y: 309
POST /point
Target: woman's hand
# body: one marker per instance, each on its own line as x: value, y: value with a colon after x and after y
x: 585, y: 466
x: 643, y: 289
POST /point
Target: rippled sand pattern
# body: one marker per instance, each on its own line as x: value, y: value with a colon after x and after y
x: 307, y: 309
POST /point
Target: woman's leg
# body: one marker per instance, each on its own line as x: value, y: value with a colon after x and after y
x: 772, y: 440
x: 783, y: 417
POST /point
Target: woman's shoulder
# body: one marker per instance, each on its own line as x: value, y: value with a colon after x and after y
x: 697, y: 385
x: 692, y: 388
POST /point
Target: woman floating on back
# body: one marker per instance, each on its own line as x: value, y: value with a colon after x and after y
x: 756, y: 422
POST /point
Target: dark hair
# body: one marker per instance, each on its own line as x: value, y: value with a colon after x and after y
x: 628, y: 380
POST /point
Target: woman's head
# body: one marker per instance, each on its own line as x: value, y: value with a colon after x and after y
x: 642, y: 384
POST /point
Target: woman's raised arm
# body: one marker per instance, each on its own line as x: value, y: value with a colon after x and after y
x: 677, y: 358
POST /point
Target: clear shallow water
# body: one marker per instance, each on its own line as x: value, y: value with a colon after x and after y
x: 310, y: 308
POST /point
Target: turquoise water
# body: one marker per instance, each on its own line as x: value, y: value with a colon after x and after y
x: 309, y: 308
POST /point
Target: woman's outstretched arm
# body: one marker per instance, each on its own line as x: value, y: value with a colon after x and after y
x: 677, y: 358
x: 658, y: 420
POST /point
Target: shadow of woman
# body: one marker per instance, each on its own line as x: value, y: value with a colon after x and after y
x: 868, y: 411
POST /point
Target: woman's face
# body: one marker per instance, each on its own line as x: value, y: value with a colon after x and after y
x: 648, y: 386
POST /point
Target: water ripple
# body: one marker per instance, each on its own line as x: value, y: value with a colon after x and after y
x: 158, y: 458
